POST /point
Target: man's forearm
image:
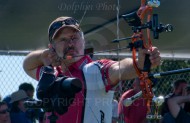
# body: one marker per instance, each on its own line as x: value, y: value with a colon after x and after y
x: 174, y: 104
x: 32, y: 61
x: 122, y: 70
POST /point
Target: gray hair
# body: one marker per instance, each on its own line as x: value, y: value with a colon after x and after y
x: 81, y: 34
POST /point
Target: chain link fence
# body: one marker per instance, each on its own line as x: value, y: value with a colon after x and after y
x: 12, y: 74
x: 164, y: 85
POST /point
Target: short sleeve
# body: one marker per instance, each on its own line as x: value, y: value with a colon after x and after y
x: 105, y: 65
x: 39, y: 72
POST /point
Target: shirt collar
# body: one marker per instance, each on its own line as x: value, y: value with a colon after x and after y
x: 80, y: 63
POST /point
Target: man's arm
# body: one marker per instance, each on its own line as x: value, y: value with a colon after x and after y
x: 39, y: 58
x: 174, y: 104
x: 31, y: 63
x: 125, y: 67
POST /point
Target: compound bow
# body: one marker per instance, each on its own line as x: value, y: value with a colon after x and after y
x: 136, y: 20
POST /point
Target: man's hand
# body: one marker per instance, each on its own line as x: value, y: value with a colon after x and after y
x: 40, y: 58
x: 49, y: 57
x: 155, y: 58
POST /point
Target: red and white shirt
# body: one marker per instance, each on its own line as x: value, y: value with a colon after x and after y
x: 93, y: 104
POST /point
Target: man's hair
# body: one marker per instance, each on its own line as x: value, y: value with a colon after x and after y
x: 26, y: 86
x: 178, y: 82
x: 81, y: 34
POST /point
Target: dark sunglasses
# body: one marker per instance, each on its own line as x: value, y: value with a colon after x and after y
x: 4, y: 111
x: 58, y: 24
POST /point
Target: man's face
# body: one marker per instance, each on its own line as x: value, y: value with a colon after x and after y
x: 30, y: 93
x: 4, y: 114
x: 21, y: 105
x: 68, y: 42
x: 181, y: 88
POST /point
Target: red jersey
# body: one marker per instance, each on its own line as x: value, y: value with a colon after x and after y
x: 76, y: 110
x: 136, y: 112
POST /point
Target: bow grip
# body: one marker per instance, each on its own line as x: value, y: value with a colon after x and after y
x: 147, y: 63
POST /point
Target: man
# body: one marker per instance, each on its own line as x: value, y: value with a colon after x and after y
x: 136, y: 112
x: 18, y: 110
x: 4, y: 113
x: 28, y: 88
x: 178, y: 90
x: 177, y: 111
x: 33, y: 114
x: 66, y: 54
x: 187, y: 104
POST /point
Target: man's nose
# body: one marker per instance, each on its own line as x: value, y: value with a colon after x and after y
x: 70, y: 42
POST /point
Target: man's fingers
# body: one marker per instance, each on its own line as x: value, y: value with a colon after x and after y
x: 155, y: 57
x: 56, y: 63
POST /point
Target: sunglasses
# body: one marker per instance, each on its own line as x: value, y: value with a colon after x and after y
x: 4, y: 111
x: 58, y: 24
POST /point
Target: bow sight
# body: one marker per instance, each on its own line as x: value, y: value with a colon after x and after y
x: 133, y: 20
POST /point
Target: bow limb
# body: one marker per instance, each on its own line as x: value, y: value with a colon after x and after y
x: 144, y: 13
